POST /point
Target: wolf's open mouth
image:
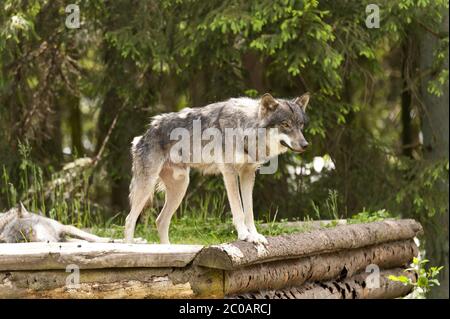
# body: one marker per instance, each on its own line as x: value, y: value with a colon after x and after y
x: 294, y: 150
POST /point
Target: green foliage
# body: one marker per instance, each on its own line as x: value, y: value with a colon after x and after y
x: 331, y: 207
x: 368, y: 217
x: 426, y: 278
x: 135, y: 61
x: 65, y: 197
x: 422, y: 195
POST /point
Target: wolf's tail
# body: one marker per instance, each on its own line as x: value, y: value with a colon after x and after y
x: 147, y: 164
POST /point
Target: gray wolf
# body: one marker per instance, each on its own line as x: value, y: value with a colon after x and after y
x: 281, y: 122
x: 19, y: 225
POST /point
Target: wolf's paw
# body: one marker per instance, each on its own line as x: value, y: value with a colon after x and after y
x: 139, y: 240
x: 243, y: 235
x: 136, y: 240
x: 256, y: 238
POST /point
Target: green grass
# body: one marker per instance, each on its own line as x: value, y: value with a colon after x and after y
x: 368, y: 217
x: 202, y: 229
x: 191, y: 230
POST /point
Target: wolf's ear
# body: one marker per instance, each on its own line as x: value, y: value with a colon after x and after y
x: 22, y: 211
x: 268, y: 104
x: 303, y: 100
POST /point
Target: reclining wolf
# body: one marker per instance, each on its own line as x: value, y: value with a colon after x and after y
x: 19, y: 225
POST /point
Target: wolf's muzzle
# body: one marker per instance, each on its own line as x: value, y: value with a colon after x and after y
x: 301, y: 150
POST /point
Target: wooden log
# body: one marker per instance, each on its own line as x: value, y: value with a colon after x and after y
x: 295, y: 272
x: 104, y: 283
x: 46, y: 256
x: 38, y: 270
x: 360, y: 286
x: 309, y: 224
x: 130, y: 283
x: 240, y: 253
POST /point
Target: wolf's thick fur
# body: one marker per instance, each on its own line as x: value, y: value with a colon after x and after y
x: 152, y: 163
x: 19, y: 225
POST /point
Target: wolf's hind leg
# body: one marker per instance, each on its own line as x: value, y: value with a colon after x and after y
x: 80, y: 234
x: 142, y: 188
x: 176, y: 181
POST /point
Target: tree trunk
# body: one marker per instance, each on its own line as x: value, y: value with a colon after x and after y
x: 407, y: 140
x: 254, y: 70
x: 51, y: 151
x: 435, y: 128
x: 117, y: 161
x: 75, y: 126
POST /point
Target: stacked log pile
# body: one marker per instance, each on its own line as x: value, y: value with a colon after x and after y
x: 348, y: 261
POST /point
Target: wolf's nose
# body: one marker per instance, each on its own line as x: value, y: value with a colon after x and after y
x: 305, y: 145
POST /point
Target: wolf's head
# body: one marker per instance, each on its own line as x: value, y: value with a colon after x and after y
x: 288, y: 118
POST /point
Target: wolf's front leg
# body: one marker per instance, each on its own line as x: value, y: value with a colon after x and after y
x: 247, y: 180
x: 231, y: 184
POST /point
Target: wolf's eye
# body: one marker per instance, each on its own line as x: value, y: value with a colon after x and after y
x: 286, y: 125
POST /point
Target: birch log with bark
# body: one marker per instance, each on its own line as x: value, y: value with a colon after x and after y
x: 240, y: 253
x: 360, y: 286
x: 322, y: 267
